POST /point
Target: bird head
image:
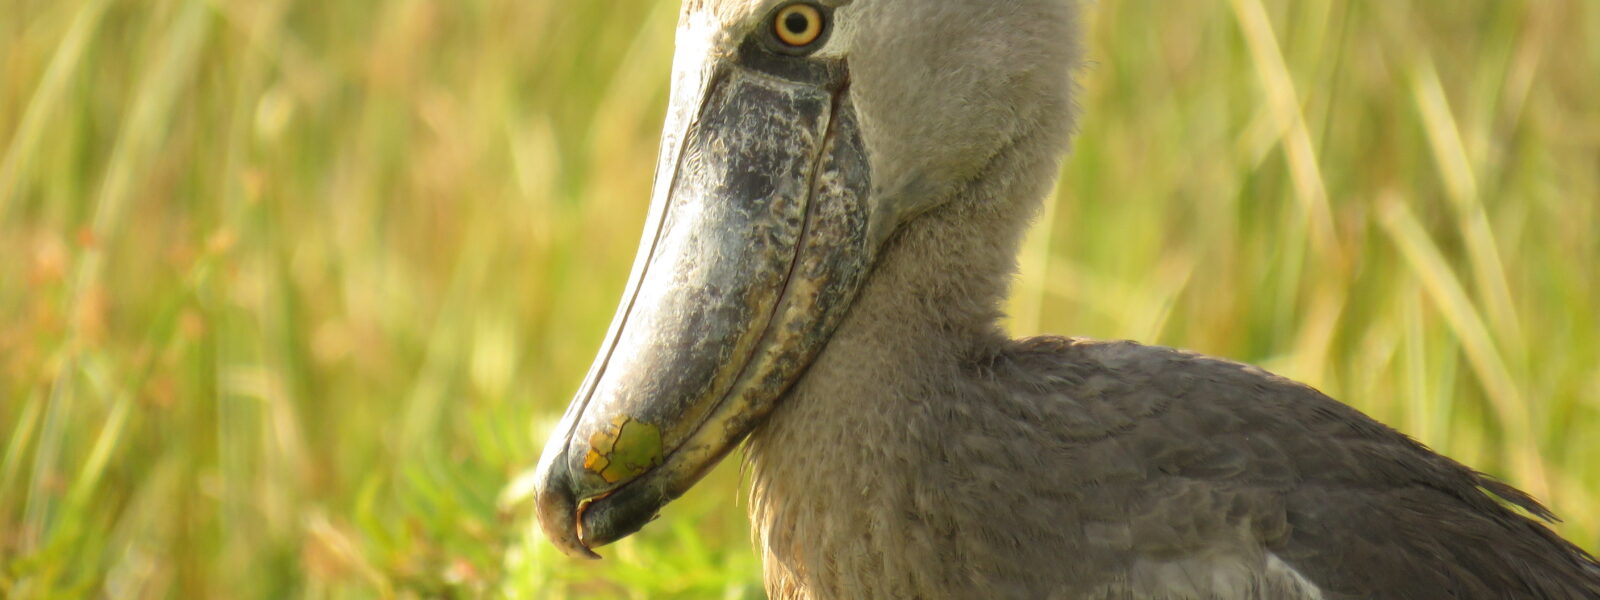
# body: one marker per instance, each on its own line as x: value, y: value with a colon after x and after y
x: 800, y: 136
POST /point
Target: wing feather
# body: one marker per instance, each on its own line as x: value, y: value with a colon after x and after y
x: 1177, y: 456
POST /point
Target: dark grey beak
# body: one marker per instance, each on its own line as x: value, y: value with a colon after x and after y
x: 757, y: 241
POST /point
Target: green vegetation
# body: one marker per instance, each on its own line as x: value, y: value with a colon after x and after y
x: 290, y: 291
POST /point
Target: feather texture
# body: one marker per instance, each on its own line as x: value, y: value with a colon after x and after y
x: 1078, y: 469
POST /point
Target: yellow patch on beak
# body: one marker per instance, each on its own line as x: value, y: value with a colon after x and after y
x: 625, y: 451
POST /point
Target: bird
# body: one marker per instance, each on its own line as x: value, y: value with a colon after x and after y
x: 840, y: 195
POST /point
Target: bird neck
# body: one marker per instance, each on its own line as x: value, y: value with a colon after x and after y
x: 834, y: 453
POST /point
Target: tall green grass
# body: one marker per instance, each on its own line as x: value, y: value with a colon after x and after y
x: 291, y: 291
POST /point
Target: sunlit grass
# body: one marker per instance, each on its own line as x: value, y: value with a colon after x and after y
x: 290, y: 291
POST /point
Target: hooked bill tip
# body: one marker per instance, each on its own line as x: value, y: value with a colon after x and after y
x: 557, y: 509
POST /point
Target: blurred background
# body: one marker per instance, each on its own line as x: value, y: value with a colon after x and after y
x: 291, y: 291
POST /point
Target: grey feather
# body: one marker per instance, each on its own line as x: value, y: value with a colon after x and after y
x: 1079, y: 469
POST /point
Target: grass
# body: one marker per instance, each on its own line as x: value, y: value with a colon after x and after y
x: 291, y: 291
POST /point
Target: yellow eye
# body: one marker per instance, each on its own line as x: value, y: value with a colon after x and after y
x: 798, y: 25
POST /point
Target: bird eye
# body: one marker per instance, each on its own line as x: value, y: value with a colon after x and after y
x: 799, y: 25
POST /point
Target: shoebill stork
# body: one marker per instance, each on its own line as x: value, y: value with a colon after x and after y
x: 841, y: 190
